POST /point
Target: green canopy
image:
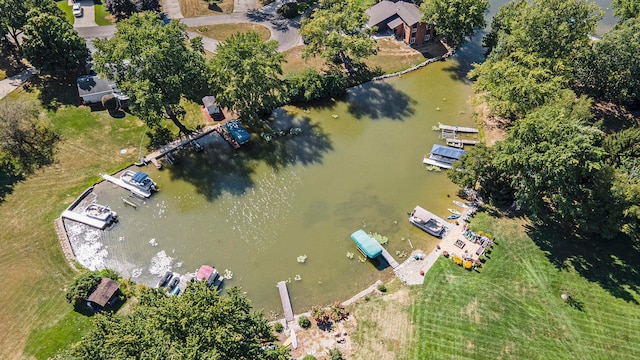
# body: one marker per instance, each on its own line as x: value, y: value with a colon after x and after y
x: 369, y: 246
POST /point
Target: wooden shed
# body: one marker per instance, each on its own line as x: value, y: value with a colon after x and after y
x: 105, y: 291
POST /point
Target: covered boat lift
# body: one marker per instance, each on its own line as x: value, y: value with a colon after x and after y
x: 368, y: 246
x: 238, y: 132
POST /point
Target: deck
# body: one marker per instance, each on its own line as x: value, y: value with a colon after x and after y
x: 286, y: 302
x: 392, y: 262
x: 459, y: 143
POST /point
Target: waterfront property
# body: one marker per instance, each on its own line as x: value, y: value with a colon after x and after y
x: 402, y: 19
x: 427, y: 221
x: 92, y: 88
x: 286, y: 301
x: 443, y: 156
x: 138, y: 183
x: 103, y: 295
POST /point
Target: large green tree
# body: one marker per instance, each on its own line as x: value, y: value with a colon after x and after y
x: 155, y: 65
x: 246, y: 75
x: 15, y: 13
x: 455, y: 19
x: 26, y: 139
x: 557, y: 166
x: 610, y: 68
x: 626, y: 9
x: 198, y: 324
x: 52, y: 45
x: 337, y: 31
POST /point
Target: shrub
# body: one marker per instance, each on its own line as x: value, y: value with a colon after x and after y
x: 289, y: 10
x: 309, y: 357
x: 337, y: 312
x: 109, y: 102
x: 311, y: 85
x: 335, y: 354
x: 304, y: 322
x: 457, y: 259
x: 467, y: 264
x: 320, y: 315
x: 277, y: 327
x: 382, y: 288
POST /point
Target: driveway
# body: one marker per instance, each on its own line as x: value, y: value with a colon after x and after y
x: 11, y: 83
x: 243, y: 6
x: 172, y: 9
x: 88, y: 17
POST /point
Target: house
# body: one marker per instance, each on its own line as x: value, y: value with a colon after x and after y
x: 92, y: 88
x: 103, y: 294
x: 403, y: 19
x: 212, y: 108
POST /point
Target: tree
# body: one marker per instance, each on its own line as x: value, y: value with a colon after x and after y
x: 455, y: 19
x: 147, y: 5
x: 14, y: 15
x: 557, y: 166
x: 610, y: 69
x: 120, y: 9
x: 25, y: 137
x: 310, y: 85
x: 626, y: 9
x: 154, y: 65
x: 337, y: 32
x: 52, y: 45
x: 84, y: 283
x: 245, y: 75
x: 517, y: 83
x: 198, y: 324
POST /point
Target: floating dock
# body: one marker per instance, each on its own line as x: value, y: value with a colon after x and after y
x: 458, y: 129
x: 84, y: 219
x: 124, y: 185
x: 286, y: 302
x: 460, y: 143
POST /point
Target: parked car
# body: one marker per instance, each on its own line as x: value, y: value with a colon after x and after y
x: 77, y: 10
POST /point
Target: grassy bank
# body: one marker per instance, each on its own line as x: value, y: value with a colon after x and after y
x: 34, y: 271
x: 222, y: 32
x: 513, y: 307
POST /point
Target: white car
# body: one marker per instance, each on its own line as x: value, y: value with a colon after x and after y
x: 77, y: 10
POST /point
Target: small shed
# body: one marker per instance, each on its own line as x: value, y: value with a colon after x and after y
x: 212, y: 107
x: 105, y: 291
x: 366, y: 244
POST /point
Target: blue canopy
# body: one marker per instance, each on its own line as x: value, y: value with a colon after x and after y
x: 369, y: 246
x: 139, y: 177
x: 237, y: 131
x: 447, y: 151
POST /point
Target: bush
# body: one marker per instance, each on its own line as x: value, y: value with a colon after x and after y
x: 309, y: 357
x: 320, y: 315
x: 382, y: 288
x: 109, y: 102
x: 337, y: 312
x: 289, y: 10
x: 311, y: 85
x: 457, y: 259
x: 467, y: 264
x: 335, y: 354
x: 304, y: 322
x: 277, y: 327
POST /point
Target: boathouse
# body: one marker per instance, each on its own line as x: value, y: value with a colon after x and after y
x: 368, y: 246
x: 443, y: 156
x: 104, y: 294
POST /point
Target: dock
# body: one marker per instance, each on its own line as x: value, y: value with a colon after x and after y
x: 124, y: 185
x: 460, y: 143
x: 458, y: 129
x: 84, y: 219
x: 392, y: 262
x: 286, y: 302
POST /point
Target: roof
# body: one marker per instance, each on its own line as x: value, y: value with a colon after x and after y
x: 204, y: 272
x: 395, y: 23
x: 104, y: 292
x: 139, y: 177
x: 210, y: 103
x: 93, y: 84
x: 385, y: 10
x: 369, y: 246
x: 237, y: 131
x: 447, y: 151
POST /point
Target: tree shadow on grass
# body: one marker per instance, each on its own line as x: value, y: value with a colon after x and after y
x: 54, y: 92
x: 9, y: 177
x: 610, y: 263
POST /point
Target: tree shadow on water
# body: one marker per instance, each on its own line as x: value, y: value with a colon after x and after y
x: 610, y: 263
x: 379, y: 100
x: 469, y: 53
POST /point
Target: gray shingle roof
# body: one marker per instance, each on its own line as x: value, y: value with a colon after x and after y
x: 384, y: 10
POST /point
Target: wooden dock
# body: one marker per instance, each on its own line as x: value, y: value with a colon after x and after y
x: 458, y: 129
x: 459, y: 143
x: 286, y: 302
x: 392, y: 262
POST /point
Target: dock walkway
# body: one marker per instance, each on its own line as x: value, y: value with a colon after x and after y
x: 392, y: 262
x: 458, y: 129
x: 286, y: 301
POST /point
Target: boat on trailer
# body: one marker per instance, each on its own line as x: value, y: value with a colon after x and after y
x: 426, y: 221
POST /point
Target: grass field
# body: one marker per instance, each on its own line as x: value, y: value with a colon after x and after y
x: 191, y: 8
x: 512, y: 308
x: 66, y: 8
x: 34, y: 271
x: 102, y: 16
x: 222, y: 32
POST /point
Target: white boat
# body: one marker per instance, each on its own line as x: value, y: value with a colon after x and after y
x: 426, y: 221
x: 100, y: 212
x: 461, y: 204
x: 139, y: 180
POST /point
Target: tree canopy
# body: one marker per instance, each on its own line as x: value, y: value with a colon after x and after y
x: 455, y: 19
x: 337, y: 31
x: 610, y: 68
x: 52, y: 45
x: 84, y: 283
x: 14, y: 15
x: 27, y: 139
x: 245, y: 75
x: 626, y: 9
x: 154, y: 65
x: 198, y: 324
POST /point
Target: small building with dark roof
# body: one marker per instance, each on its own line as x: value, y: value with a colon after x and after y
x: 212, y: 108
x: 91, y: 88
x: 104, y: 293
x: 403, y: 18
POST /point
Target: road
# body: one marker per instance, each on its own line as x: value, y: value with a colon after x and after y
x: 284, y: 31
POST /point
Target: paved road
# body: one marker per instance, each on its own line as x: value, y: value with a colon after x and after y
x: 284, y: 31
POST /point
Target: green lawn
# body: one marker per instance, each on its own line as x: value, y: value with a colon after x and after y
x: 64, y: 6
x: 103, y: 17
x: 222, y: 32
x: 513, y: 307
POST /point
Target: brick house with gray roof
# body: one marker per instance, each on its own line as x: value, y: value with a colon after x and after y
x: 403, y: 19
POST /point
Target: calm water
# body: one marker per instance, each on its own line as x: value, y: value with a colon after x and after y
x: 357, y: 164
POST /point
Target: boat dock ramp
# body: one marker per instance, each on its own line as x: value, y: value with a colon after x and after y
x: 286, y: 301
x: 387, y: 256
